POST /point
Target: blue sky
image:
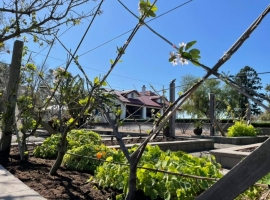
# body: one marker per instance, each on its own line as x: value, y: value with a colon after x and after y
x: 216, y: 25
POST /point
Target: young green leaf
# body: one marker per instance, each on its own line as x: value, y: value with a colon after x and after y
x: 190, y: 44
x: 96, y: 80
x: 194, y: 51
x: 172, y: 58
x: 186, y: 55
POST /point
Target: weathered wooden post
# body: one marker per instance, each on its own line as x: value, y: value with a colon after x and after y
x: 248, y: 113
x: 212, y: 113
x: 172, y: 119
x: 11, y: 98
x: 242, y: 176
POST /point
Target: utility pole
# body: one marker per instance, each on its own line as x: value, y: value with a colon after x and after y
x: 172, y: 118
x: 11, y: 99
x: 212, y: 113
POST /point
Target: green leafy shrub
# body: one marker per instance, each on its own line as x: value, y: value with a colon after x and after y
x: 88, y: 150
x: 75, y: 138
x: 157, y: 184
x: 49, y: 147
x: 80, y: 137
x: 240, y: 128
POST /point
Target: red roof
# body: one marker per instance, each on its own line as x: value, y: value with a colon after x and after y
x: 148, y: 99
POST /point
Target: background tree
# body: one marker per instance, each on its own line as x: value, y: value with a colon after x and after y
x: 265, y: 116
x: 198, y: 102
x: 248, y: 78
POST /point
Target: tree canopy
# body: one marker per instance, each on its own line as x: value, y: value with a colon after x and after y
x: 198, y: 103
x: 249, y: 79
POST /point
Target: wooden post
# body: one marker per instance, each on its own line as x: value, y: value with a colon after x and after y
x: 172, y: 118
x: 242, y: 176
x: 248, y: 113
x: 12, y: 89
x: 212, y: 113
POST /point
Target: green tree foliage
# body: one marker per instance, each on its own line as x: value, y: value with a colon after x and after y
x: 4, y: 75
x: 198, y: 103
x: 265, y: 116
x: 40, y: 19
x: 248, y: 78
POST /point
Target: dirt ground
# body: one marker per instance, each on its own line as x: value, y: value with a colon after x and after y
x: 66, y: 184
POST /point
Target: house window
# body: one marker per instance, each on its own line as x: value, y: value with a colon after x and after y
x: 132, y: 95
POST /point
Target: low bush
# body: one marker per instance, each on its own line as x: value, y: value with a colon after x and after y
x: 49, y: 147
x: 80, y: 137
x: 88, y: 150
x: 240, y: 128
x: 75, y: 138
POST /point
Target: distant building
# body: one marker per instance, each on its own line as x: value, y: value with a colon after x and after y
x: 141, y: 104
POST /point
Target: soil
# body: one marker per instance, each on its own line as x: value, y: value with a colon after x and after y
x: 248, y: 149
x: 139, y: 140
x: 67, y: 184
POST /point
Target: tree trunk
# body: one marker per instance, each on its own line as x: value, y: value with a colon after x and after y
x: 45, y: 125
x: 61, y: 153
x: 12, y: 88
x: 23, y: 148
x: 132, y: 182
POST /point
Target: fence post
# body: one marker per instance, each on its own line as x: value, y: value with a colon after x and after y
x: 212, y: 113
x: 172, y: 118
x: 11, y: 98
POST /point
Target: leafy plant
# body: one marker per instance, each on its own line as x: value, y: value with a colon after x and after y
x: 158, y: 184
x: 198, y: 124
x: 88, y: 150
x: 48, y: 149
x: 75, y: 138
x: 80, y: 137
x: 240, y: 128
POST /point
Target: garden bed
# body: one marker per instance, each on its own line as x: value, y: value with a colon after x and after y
x: 235, y: 140
x: 177, y: 144
x: 67, y: 184
x: 229, y: 157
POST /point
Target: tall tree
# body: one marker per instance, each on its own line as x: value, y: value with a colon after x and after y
x: 248, y: 78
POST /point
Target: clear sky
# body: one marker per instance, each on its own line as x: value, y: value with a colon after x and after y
x: 215, y: 24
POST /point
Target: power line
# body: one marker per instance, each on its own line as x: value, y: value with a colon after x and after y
x: 132, y: 29
x: 66, y: 30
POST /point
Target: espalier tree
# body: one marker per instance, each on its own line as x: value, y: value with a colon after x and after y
x: 182, y: 55
x: 40, y: 20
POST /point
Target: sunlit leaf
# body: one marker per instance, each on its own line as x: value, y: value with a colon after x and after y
x: 190, y: 44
